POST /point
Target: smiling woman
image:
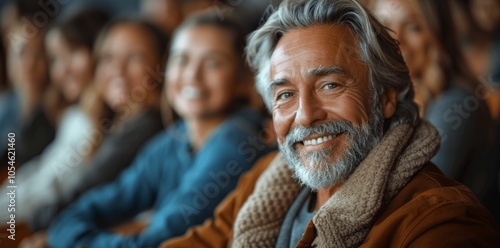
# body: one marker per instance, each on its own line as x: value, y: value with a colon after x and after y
x: 185, y: 171
x: 206, y: 78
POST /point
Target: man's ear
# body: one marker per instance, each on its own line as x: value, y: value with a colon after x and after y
x: 389, y: 101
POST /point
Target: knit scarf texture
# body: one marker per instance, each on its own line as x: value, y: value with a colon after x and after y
x: 347, y: 217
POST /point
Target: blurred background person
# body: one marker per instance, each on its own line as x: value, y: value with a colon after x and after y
x: 451, y: 96
x: 478, y: 24
x: 21, y: 108
x: 480, y: 33
x: 184, y: 172
x: 123, y: 107
x: 69, y: 49
x: 100, y: 134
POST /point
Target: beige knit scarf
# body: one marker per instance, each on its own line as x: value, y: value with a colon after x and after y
x: 346, y: 218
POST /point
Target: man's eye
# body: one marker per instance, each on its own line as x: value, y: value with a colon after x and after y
x: 329, y: 86
x: 284, y: 95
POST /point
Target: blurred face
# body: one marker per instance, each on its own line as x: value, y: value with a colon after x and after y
x: 126, y: 56
x: 402, y: 17
x: 70, y: 68
x: 322, y: 111
x: 26, y: 62
x: 486, y: 13
x: 202, y: 73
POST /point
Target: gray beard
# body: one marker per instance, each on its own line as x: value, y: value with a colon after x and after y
x: 323, y: 174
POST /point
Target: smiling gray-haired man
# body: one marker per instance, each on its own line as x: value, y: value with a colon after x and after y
x: 354, y: 165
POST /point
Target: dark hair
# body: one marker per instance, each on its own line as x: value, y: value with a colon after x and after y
x: 438, y: 18
x: 28, y: 9
x: 229, y: 24
x: 79, y: 29
x: 157, y: 35
x: 466, y: 12
x: 82, y: 28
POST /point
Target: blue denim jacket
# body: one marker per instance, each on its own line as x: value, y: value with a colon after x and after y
x: 183, y: 187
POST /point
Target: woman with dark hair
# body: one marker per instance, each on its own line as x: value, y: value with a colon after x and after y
x: 451, y: 96
x: 22, y: 111
x: 479, y: 25
x: 184, y: 172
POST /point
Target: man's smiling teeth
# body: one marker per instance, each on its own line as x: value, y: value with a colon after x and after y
x: 190, y: 92
x: 319, y: 140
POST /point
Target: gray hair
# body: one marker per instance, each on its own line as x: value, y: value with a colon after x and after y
x: 380, y: 52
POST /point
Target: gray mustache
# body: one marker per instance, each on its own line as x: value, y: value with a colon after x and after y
x: 299, y: 133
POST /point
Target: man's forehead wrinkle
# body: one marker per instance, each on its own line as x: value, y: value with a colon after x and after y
x: 296, y: 55
x: 280, y: 58
x: 325, y: 70
x: 280, y: 81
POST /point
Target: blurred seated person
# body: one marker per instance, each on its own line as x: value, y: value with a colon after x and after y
x: 355, y: 165
x: 123, y: 106
x: 102, y: 128
x: 453, y: 99
x: 482, y: 37
x: 184, y: 172
x: 478, y: 26
x: 22, y: 111
x: 70, y: 67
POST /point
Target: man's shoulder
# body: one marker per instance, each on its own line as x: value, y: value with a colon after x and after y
x: 432, y: 186
x: 432, y: 205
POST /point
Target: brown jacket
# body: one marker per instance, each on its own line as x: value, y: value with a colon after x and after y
x: 430, y: 210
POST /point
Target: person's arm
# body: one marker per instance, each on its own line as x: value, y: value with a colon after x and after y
x: 213, y: 174
x: 443, y: 227
x: 111, y: 158
x: 217, y: 232
x: 86, y: 221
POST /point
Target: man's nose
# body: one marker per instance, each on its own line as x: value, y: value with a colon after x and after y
x: 310, y: 110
